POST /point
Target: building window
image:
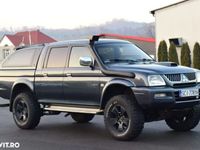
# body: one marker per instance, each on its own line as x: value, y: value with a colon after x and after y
x: 6, y: 52
x: 177, y: 41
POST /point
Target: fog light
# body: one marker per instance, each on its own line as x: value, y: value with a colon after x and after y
x: 160, y: 95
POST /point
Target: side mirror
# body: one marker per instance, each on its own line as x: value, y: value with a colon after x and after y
x: 152, y: 56
x: 86, y: 61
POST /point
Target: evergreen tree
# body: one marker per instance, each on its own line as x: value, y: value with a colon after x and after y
x: 185, y: 55
x: 173, y: 56
x: 162, y: 51
x: 196, y: 56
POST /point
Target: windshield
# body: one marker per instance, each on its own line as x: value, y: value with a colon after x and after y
x: 121, y: 53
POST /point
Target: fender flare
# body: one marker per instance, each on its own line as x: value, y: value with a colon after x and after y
x: 123, y: 82
x: 26, y: 82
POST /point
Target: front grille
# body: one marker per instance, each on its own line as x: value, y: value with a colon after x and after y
x: 190, y: 76
x: 173, y: 77
x: 177, y: 77
x: 181, y: 80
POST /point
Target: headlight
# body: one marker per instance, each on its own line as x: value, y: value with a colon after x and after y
x: 198, y: 76
x: 156, y: 80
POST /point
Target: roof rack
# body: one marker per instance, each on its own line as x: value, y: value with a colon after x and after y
x: 29, y: 46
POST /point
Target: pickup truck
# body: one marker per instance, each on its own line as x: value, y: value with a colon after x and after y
x: 109, y: 77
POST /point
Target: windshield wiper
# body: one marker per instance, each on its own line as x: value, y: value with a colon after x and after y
x: 129, y: 61
x: 120, y: 60
x: 145, y: 60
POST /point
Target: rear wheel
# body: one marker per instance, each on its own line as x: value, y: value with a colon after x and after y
x: 186, y: 121
x: 123, y: 118
x: 26, y: 111
x: 82, y: 118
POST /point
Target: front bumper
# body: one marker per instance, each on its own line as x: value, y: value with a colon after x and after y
x: 145, y: 97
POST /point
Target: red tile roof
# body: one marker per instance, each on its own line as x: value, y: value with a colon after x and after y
x: 16, y: 40
x: 137, y: 38
x: 30, y: 38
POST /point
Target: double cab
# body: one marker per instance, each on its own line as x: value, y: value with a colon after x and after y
x: 109, y: 77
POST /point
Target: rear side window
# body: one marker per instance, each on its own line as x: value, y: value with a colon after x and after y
x: 57, y: 57
x: 23, y: 58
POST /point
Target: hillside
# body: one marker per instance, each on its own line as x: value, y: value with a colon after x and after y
x: 116, y: 26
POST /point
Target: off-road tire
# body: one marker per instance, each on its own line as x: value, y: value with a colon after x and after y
x: 185, y: 122
x: 30, y: 110
x: 123, y: 117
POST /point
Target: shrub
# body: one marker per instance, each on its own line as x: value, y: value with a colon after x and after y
x: 173, y: 56
x: 185, y: 55
x: 162, y: 51
x: 196, y: 56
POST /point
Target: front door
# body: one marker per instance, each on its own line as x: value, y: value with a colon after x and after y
x: 81, y: 84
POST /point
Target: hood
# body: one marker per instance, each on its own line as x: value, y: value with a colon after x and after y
x: 151, y: 68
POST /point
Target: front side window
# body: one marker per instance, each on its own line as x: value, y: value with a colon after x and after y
x: 76, y: 53
x: 57, y: 57
x: 121, y: 53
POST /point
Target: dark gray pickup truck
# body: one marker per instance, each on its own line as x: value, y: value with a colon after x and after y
x: 107, y: 77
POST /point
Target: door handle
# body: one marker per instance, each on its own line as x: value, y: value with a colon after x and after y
x: 68, y: 74
x: 45, y: 74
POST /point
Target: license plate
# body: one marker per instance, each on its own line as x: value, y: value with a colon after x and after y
x: 189, y: 92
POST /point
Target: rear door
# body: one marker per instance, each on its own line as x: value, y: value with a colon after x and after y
x: 49, y: 80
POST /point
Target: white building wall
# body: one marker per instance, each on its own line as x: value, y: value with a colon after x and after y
x: 182, y: 20
x: 5, y: 43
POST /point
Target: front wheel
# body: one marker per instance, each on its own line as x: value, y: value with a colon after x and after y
x: 186, y: 121
x: 123, y: 117
x: 26, y: 111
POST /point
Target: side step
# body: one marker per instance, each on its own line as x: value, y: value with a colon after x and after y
x: 73, y: 109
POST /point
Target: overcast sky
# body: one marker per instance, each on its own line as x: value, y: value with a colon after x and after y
x: 74, y: 13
